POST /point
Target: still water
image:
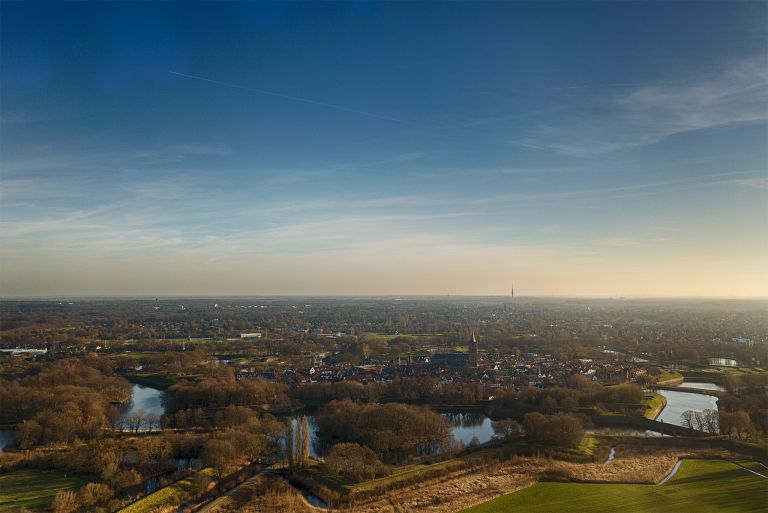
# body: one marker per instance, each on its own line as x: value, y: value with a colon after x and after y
x: 7, y: 437
x: 702, y: 386
x: 144, y: 400
x: 679, y: 401
x: 467, y: 426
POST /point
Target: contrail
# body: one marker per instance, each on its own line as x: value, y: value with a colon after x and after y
x: 294, y: 98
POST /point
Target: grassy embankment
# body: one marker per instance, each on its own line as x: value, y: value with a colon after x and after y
x: 654, y: 404
x: 173, y: 493
x: 33, y: 488
x: 700, y: 485
x: 417, y: 472
x: 404, y: 473
x: 669, y: 378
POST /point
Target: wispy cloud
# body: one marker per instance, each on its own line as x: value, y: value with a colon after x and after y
x: 735, y: 94
x: 80, y: 220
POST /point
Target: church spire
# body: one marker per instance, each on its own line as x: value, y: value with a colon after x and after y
x: 473, y: 360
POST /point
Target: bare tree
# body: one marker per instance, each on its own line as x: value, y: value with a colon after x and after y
x: 152, y: 420
x: 726, y: 423
x: 506, y: 428
x: 742, y: 423
x: 289, y: 444
x: 305, y: 441
x: 698, y: 419
x: 135, y: 421
x: 711, y: 421
x: 686, y: 418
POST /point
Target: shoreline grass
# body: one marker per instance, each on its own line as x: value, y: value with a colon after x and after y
x: 655, y: 404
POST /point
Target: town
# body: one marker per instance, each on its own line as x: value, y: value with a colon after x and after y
x: 235, y: 395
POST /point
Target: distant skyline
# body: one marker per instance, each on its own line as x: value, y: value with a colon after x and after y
x: 399, y: 148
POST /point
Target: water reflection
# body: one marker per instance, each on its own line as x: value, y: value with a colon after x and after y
x: 467, y: 426
x: 151, y: 485
x: 678, y: 402
x: 154, y: 483
x: 319, y: 445
x: 144, y: 408
x: 702, y: 386
x: 7, y: 437
x: 315, y: 501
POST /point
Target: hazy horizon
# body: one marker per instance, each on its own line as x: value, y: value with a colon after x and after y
x: 194, y: 297
x: 574, y: 149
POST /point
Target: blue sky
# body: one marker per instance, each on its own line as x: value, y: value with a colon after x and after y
x: 611, y: 148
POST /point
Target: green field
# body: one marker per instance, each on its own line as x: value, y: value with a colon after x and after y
x: 700, y: 486
x: 33, y: 488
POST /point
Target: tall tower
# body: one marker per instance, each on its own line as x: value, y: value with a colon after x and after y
x: 512, y: 292
x: 473, y: 351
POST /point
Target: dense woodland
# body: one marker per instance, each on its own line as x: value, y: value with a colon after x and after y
x: 384, y: 428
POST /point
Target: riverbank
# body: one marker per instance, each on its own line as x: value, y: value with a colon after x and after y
x: 655, y: 404
x: 691, y: 390
x: 670, y: 379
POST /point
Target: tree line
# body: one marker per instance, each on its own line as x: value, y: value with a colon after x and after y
x: 384, y: 428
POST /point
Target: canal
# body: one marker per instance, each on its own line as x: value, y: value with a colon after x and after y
x: 679, y: 401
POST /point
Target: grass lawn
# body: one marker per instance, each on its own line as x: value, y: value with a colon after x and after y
x: 164, y: 495
x: 700, y: 486
x: 33, y: 488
